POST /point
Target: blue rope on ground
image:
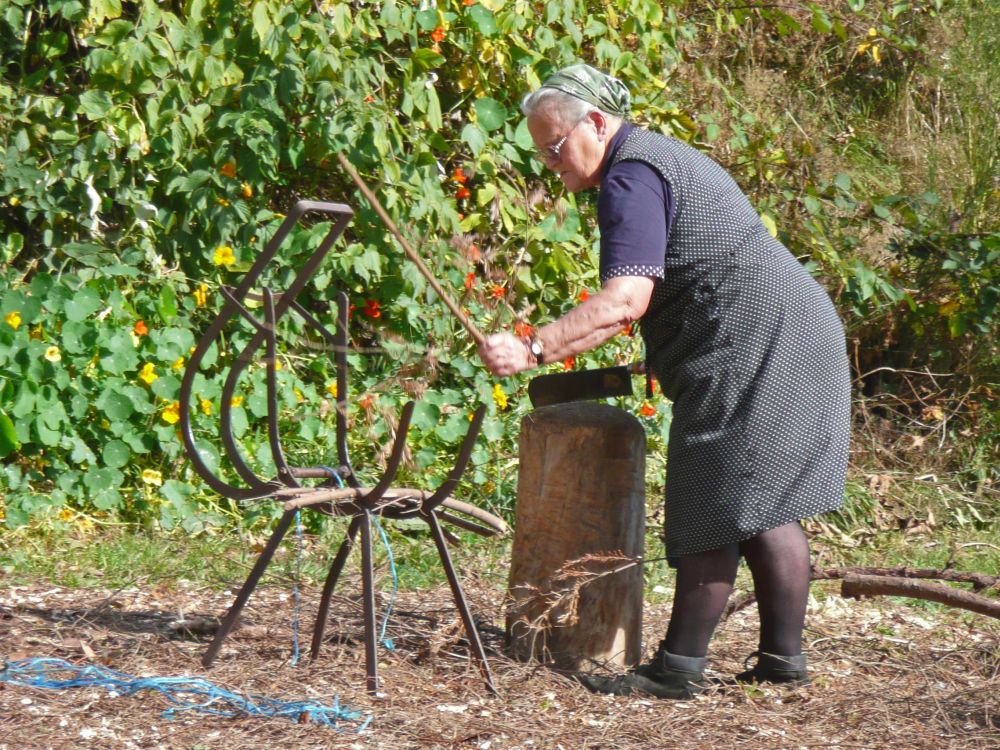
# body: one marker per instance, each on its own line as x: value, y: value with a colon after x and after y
x: 186, y: 693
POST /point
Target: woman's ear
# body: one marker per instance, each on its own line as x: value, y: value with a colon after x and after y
x: 600, y: 123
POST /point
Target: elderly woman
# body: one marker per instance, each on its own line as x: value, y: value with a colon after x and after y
x: 746, y: 345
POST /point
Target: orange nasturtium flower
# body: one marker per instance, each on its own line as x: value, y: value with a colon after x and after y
x: 438, y: 35
x: 584, y: 295
x: 201, y: 295
x: 223, y: 256
x: 459, y: 176
x: 647, y: 409
x: 470, y: 279
x: 228, y: 169
x: 246, y: 191
x: 522, y: 329
x: 468, y: 2
x: 365, y: 402
x: 569, y: 363
x: 496, y: 291
x: 140, y: 328
x: 148, y: 373
x: 462, y: 193
x: 13, y: 319
x: 172, y: 414
x: 372, y: 308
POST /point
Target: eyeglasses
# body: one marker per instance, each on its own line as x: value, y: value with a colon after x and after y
x: 550, y: 154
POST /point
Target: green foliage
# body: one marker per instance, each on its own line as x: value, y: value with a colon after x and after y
x: 148, y: 149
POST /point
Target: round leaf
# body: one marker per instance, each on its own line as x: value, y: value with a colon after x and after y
x: 116, y: 454
x: 490, y: 114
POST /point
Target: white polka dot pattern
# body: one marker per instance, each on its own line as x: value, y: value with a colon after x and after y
x: 750, y: 350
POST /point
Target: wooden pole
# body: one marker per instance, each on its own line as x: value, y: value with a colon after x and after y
x: 575, y: 585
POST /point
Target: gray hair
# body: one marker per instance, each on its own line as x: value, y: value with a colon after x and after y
x: 565, y: 107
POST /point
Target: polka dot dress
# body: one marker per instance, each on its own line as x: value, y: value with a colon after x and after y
x: 751, y: 351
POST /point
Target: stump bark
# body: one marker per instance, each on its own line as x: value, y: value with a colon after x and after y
x: 575, y: 590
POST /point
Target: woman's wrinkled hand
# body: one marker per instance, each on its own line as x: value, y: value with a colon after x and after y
x: 505, y: 354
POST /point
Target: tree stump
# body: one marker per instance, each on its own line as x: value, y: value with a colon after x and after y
x: 575, y: 591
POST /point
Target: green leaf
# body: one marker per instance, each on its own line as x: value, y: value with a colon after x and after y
x: 115, y: 406
x: 83, y: 304
x: 8, y: 436
x: 474, y: 137
x: 426, y: 59
x: 95, y: 104
x: 483, y: 20
x: 490, y: 114
x: 116, y: 454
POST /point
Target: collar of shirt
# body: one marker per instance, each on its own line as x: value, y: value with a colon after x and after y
x: 616, y: 141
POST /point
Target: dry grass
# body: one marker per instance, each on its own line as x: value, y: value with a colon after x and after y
x: 884, y: 676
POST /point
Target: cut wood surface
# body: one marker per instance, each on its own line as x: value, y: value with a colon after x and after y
x: 576, y: 593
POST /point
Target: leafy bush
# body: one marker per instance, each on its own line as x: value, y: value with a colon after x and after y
x: 148, y: 149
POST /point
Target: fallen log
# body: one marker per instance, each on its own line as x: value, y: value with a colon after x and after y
x: 855, y: 586
x: 979, y: 581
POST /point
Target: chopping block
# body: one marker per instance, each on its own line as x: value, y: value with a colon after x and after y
x: 575, y: 590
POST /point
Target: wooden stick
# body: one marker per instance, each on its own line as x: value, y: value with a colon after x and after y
x: 855, y: 586
x: 410, y: 252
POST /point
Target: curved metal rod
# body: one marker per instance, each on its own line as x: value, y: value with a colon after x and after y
x: 369, y: 500
x: 461, y: 462
x: 257, y: 488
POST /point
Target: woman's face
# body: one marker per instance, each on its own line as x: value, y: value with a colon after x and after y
x: 581, y: 154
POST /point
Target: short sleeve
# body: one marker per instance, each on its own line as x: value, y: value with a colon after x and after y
x: 634, y: 211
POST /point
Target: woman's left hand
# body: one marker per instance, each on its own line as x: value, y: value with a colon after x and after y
x: 505, y: 354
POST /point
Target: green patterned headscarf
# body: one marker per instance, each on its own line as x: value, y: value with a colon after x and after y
x: 592, y: 86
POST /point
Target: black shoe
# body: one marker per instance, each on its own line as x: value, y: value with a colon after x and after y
x: 773, y: 668
x: 665, y: 676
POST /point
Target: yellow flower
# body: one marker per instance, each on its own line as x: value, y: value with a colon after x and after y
x: 178, y: 364
x: 222, y: 202
x: 148, y: 373
x: 205, y: 405
x: 151, y: 476
x: 65, y: 515
x: 499, y: 396
x: 201, y: 295
x: 172, y: 414
x: 246, y: 190
x: 223, y: 256
x: 236, y: 401
x: 52, y: 354
x: 298, y: 395
x: 331, y: 388
x: 277, y: 365
x: 13, y: 319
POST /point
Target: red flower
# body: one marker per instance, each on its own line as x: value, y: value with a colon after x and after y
x: 438, y: 35
x: 140, y: 328
x: 459, y: 176
x: 496, y: 291
x: 365, y: 402
x: 372, y: 308
x: 569, y: 363
x: 522, y: 329
x: 462, y: 193
x: 584, y: 295
x: 468, y: 2
x: 647, y: 409
x: 470, y: 279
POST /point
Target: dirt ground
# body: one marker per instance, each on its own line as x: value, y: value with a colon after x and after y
x: 885, y: 675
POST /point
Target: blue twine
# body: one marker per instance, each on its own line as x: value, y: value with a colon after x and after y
x: 295, y: 589
x: 387, y: 642
x: 185, y: 693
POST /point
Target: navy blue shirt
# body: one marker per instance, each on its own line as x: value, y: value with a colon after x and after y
x: 634, y: 211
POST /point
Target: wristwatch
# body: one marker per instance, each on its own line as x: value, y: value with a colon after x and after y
x: 536, y: 349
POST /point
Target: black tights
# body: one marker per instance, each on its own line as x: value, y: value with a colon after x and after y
x: 779, y: 563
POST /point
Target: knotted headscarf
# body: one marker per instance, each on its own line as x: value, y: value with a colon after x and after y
x: 592, y: 86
